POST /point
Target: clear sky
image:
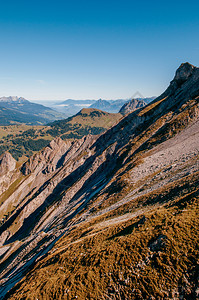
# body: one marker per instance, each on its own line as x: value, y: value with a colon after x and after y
x: 85, y: 49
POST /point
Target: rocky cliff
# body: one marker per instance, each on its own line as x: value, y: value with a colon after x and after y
x: 105, y: 217
x: 131, y: 106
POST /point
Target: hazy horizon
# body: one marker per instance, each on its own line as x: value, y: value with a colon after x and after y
x: 61, y: 100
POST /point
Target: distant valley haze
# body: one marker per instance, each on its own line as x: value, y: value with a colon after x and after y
x: 17, y: 110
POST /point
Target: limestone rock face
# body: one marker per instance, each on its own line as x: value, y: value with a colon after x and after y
x: 47, y: 159
x: 7, y: 163
x: 183, y: 86
x: 131, y: 106
x: 183, y: 72
x: 8, y: 171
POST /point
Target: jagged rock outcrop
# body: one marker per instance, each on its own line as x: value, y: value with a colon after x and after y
x: 89, y: 197
x: 8, y: 171
x: 46, y: 160
x: 131, y: 106
x: 184, y: 72
x: 184, y: 84
x: 7, y: 163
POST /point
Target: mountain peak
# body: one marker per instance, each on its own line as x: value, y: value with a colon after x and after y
x: 185, y: 80
x: 88, y: 111
x: 183, y: 72
x: 13, y: 99
x: 131, y: 106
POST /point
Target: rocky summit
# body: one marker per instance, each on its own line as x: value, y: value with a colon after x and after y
x: 113, y: 216
x: 132, y: 105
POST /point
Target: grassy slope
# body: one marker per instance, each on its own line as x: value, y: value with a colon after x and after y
x: 17, y: 129
x: 123, y: 260
x: 22, y: 141
x: 87, y: 121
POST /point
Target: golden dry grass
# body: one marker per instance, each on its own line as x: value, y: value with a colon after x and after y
x: 96, y: 262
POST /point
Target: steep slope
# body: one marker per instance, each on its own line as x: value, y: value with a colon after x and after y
x: 7, y: 171
x: 131, y: 106
x: 114, y: 216
x: 7, y: 163
x: 15, y: 110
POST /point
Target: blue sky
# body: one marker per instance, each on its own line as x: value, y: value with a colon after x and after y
x: 94, y: 49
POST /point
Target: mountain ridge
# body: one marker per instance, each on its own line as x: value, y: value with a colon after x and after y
x: 86, y: 121
x: 104, y: 218
x: 72, y: 107
x: 15, y: 110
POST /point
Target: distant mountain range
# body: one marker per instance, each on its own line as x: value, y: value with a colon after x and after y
x: 15, y: 110
x: 71, y: 107
x: 78, y: 102
x: 109, y: 105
